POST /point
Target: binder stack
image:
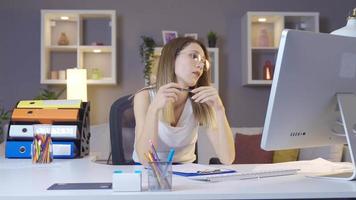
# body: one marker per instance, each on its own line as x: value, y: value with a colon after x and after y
x: 70, y: 130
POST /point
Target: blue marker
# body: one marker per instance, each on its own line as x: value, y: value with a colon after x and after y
x: 170, y: 156
x: 168, y: 165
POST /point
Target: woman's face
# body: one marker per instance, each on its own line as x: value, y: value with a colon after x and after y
x: 189, y: 65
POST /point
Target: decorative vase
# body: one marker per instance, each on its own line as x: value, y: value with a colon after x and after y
x: 212, y: 43
x: 95, y: 74
x: 3, y: 132
x: 268, y: 70
x: 62, y: 75
x: 54, y: 75
x: 63, y: 39
x: 263, y: 39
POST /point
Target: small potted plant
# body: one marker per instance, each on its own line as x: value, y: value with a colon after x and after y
x: 46, y: 94
x: 146, y: 53
x: 212, y: 37
x: 4, y: 117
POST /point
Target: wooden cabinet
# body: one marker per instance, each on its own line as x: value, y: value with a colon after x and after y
x: 261, y: 32
x: 78, y: 38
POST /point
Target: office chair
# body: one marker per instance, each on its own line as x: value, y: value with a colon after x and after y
x: 122, y: 131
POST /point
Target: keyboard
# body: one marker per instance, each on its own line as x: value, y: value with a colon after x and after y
x: 246, y: 175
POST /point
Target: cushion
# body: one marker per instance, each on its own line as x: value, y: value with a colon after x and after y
x: 248, y: 150
x: 285, y: 155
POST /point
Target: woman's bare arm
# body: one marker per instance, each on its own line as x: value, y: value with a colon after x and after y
x: 220, y: 136
x: 146, y: 116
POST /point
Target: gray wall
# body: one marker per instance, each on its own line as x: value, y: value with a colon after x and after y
x: 245, y: 106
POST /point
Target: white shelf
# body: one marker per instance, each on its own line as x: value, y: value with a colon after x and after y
x: 264, y: 48
x: 103, y: 49
x: 102, y: 81
x: 214, y: 59
x: 61, y: 48
x: 261, y: 32
x: 82, y: 28
x: 260, y: 82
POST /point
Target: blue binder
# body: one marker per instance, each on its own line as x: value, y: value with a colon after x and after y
x: 22, y: 149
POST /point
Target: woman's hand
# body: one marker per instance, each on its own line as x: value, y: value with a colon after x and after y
x: 166, y: 93
x: 208, y: 95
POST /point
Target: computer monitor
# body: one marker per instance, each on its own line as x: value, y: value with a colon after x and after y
x: 313, y: 93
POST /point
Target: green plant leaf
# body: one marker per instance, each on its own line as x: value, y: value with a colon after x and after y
x: 146, y: 52
x: 46, y: 94
x: 4, y: 117
x: 212, y: 35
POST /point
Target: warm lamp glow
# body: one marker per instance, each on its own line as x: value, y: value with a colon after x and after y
x: 64, y: 17
x: 97, y: 50
x: 262, y: 19
x: 77, y: 84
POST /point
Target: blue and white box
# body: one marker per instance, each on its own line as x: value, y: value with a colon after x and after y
x: 127, y: 182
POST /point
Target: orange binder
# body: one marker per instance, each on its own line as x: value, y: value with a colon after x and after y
x: 45, y: 116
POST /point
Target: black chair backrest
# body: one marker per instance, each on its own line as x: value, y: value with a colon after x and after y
x: 122, y: 131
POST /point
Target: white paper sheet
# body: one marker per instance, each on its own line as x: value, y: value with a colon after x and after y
x: 310, y: 167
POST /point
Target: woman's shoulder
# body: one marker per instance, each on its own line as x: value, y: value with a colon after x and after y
x: 144, y: 93
x: 141, y: 94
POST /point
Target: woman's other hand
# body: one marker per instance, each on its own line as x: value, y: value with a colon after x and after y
x: 208, y: 95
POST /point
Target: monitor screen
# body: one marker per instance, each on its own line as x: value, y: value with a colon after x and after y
x: 311, y: 69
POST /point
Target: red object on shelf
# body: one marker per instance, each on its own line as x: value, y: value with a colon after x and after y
x: 268, y: 70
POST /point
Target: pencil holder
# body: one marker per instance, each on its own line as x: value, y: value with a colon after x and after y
x: 41, y: 150
x: 159, y: 176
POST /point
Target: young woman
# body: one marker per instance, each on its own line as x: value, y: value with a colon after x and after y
x: 170, y: 112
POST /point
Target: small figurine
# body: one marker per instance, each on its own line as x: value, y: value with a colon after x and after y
x: 263, y: 38
x: 97, y: 43
x: 63, y: 39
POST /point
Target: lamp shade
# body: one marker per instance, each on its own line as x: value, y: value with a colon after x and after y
x: 350, y: 28
x: 77, y: 84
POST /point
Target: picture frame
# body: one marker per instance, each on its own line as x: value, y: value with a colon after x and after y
x: 168, y: 36
x: 191, y: 35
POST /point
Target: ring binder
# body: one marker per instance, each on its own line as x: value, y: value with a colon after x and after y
x: 69, y: 125
x: 57, y: 131
x: 22, y: 149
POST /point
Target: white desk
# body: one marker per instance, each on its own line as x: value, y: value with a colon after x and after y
x: 20, y: 179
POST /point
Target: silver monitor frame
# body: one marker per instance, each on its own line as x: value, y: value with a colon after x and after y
x: 312, y: 100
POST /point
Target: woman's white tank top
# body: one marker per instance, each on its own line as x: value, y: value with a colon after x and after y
x: 182, y: 137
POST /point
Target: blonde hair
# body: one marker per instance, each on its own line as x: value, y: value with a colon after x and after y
x: 166, y: 74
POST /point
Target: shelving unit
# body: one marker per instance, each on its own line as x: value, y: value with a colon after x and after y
x: 261, y: 32
x: 214, y: 61
x: 91, y: 36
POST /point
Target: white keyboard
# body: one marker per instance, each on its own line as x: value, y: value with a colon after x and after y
x: 246, y: 175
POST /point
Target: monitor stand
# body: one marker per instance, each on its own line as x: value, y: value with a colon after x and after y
x: 347, y: 106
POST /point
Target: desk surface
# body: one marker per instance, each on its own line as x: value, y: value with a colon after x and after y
x: 20, y: 179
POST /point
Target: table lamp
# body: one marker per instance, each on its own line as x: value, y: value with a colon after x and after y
x: 77, y: 84
x: 350, y: 28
